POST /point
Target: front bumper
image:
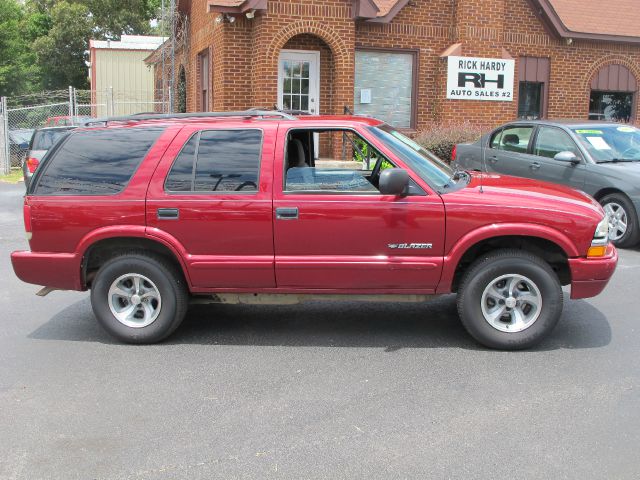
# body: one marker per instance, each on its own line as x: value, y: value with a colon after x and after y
x: 56, y: 270
x: 590, y: 276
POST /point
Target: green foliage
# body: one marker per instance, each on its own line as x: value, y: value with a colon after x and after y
x: 13, y: 48
x: 61, y: 52
x: 363, y: 151
x: 44, y: 43
x: 112, y: 18
x: 441, y: 138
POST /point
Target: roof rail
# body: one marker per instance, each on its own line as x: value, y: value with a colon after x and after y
x: 253, y: 112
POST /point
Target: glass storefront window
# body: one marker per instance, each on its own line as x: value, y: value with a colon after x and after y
x: 384, y: 86
x: 530, y: 100
x: 613, y: 106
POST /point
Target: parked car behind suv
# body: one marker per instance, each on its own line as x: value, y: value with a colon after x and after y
x: 244, y: 207
x: 19, y: 144
x: 600, y: 158
x: 41, y: 141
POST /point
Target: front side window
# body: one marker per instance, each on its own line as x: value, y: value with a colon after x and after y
x: 610, y: 106
x: 356, y: 173
x: 96, y: 162
x: 220, y: 161
x: 384, y: 86
x: 551, y: 141
x: 512, y: 139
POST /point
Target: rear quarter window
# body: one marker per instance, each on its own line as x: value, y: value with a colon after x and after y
x: 98, y: 162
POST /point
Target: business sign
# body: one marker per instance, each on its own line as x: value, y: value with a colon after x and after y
x: 471, y: 78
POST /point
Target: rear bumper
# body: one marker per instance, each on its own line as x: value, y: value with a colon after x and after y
x: 590, y: 276
x: 56, y: 270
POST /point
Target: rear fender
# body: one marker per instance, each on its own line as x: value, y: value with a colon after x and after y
x: 135, y: 231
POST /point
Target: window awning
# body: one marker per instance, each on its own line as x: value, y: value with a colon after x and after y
x: 235, y: 6
x: 378, y: 11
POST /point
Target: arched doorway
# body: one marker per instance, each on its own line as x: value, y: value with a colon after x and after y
x: 613, y: 94
x: 306, y: 75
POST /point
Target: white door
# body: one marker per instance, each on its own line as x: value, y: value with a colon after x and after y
x: 299, y: 81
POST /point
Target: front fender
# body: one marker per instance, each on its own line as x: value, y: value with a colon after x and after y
x: 452, y: 258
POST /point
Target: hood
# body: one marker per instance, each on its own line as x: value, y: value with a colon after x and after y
x: 531, y: 193
x: 621, y: 170
x: 513, y: 200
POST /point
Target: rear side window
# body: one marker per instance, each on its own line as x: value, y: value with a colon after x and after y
x: 218, y: 161
x: 99, y: 162
x: 512, y: 139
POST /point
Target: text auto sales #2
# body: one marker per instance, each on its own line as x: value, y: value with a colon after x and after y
x: 471, y: 78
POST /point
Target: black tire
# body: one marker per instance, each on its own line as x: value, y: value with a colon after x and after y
x: 492, y: 266
x: 631, y: 236
x: 166, y: 278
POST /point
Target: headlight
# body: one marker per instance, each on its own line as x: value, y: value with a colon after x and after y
x: 600, y: 240
x: 602, y: 230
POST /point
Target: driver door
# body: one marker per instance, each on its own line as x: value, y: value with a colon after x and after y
x: 548, y: 142
x: 335, y: 231
x: 210, y: 197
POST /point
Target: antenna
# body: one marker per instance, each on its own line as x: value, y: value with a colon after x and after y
x: 483, y: 159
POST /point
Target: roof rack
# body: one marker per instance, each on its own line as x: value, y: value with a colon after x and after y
x: 251, y: 113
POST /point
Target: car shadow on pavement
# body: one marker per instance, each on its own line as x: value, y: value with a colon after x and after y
x: 391, y: 326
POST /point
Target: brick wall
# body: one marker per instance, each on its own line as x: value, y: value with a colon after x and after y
x: 244, y: 55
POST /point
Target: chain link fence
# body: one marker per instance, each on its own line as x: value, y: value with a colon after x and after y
x: 20, y: 116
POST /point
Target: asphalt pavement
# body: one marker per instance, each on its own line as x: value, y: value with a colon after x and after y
x: 315, y: 391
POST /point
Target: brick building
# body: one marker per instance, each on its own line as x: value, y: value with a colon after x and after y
x: 390, y: 58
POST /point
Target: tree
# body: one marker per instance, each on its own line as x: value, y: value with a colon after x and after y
x: 62, y: 52
x: 112, y: 18
x: 13, y: 49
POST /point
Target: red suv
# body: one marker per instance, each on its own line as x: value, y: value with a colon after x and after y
x: 251, y: 207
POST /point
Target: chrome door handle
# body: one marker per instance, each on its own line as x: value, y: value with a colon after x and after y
x: 534, y: 166
x: 493, y: 159
x: 287, y: 213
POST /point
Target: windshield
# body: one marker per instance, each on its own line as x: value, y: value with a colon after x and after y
x: 610, y: 143
x: 430, y: 168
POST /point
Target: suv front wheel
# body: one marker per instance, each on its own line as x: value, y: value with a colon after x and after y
x: 510, y: 300
x: 139, y: 297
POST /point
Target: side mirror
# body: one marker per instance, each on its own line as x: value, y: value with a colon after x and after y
x: 394, y: 181
x: 567, y: 157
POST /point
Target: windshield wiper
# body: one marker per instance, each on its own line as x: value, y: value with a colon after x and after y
x: 619, y: 160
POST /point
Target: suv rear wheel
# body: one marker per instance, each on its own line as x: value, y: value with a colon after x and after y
x: 139, y: 298
x: 510, y: 300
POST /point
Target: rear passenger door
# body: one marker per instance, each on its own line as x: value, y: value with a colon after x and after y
x: 211, y: 196
x: 508, y: 151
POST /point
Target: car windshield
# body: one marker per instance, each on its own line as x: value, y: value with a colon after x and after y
x: 610, y: 143
x: 44, y: 139
x: 430, y: 168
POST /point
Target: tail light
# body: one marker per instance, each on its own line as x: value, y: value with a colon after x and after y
x: 26, y: 212
x: 454, y: 152
x: 32, y: 164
